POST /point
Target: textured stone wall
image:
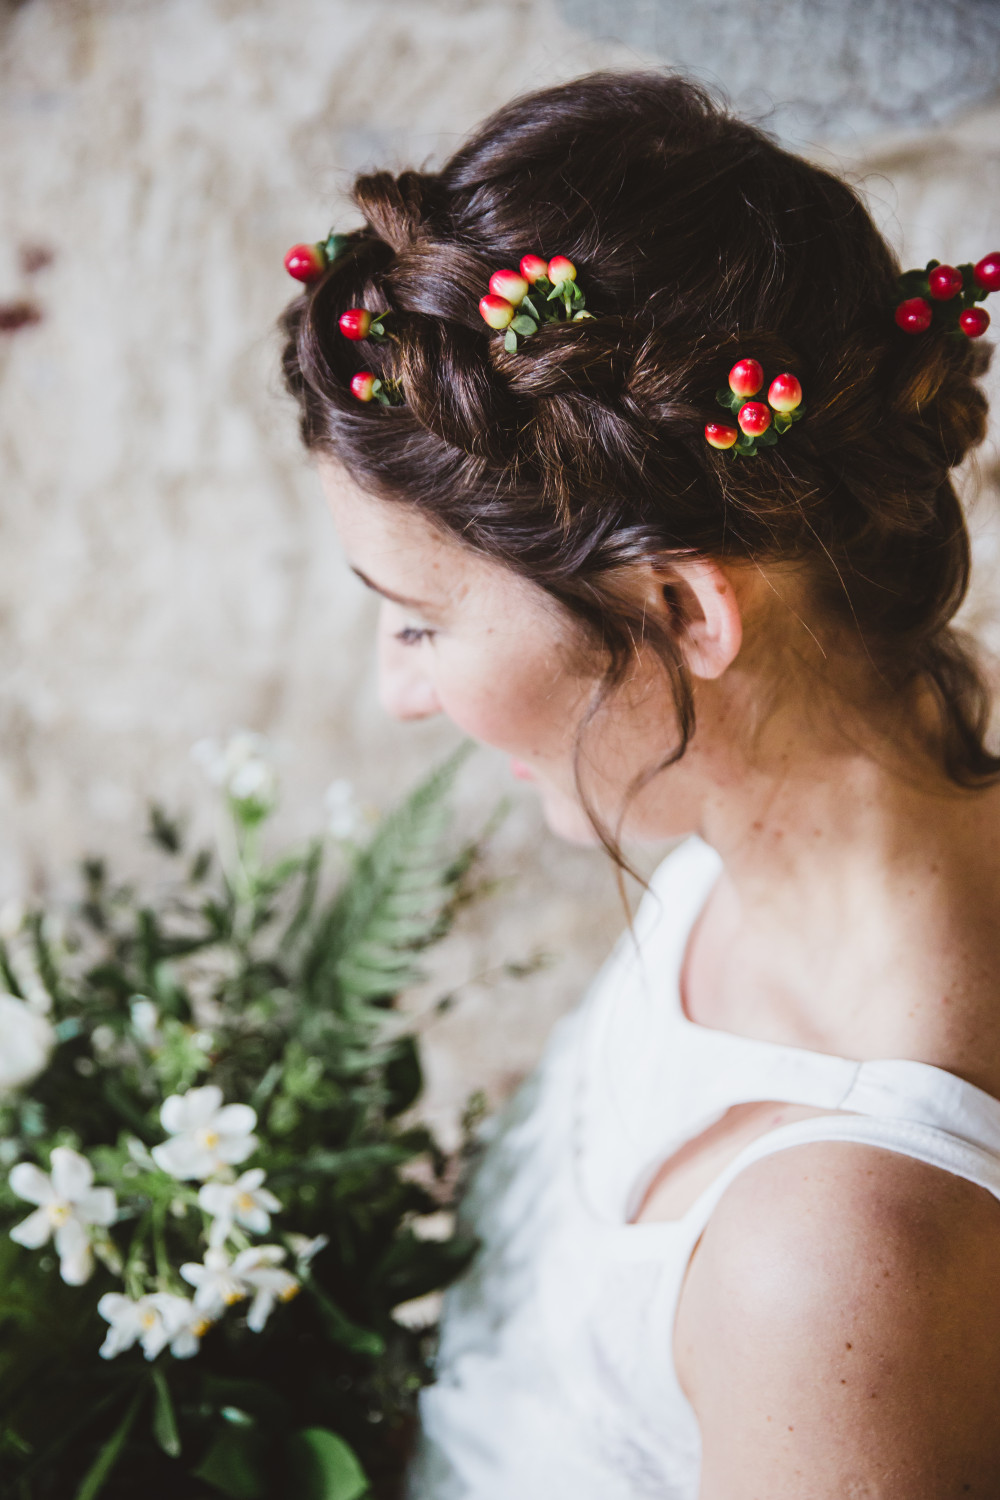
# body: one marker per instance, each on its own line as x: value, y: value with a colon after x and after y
x: 166, y: 568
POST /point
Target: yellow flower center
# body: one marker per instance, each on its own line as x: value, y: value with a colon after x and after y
x: 200, y: 1328
x: 148, y: 1319
x: 234, y: 1296
x: 289, y: 1292
x: 245, y: 1201
x: 209, y: 1139
x: 59, y: 1213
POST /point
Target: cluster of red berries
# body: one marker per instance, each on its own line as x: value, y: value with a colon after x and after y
x: 757, y: 427
x: 948, y: 295
x: 543, y: 291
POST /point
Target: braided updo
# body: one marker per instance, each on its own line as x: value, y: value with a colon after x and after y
x: 698, y: 241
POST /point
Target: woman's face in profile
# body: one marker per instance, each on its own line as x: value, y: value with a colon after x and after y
x: 462, y: 635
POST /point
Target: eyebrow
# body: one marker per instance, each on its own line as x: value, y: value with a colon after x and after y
x: 376, y: 588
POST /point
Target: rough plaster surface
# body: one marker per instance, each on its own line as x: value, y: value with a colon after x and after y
x: 167, y: 570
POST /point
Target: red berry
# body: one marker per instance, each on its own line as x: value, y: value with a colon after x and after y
x: 355, y: 323
x: 363, y: 385
x: 497, y: 311
x: 785, y: 393
x: 509, y: 285
x: 533, y: 266
x: 754, y: 418
x: 945, y: 282
x: 746, y: 378
x: 987, y: 271
x: 914, y: 315
x: 720, y: 435
x: 561, y: 269
x: 974, y: 321
x: 306, y: 262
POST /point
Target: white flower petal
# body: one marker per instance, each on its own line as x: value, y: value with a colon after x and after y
x: 203, y: 1103
x: 182, y: 1159
x: 233, y: 1149
x: 250, y: 1181
x: 33, y: 1231
x: 234, y: 1119
x: 72, y: 1174
x: 76, y: 1262
x: 216, y: 1197
x: 255, y: 1219
x: 257, y: 1257
x: 31, y: 1183
x: 221, y: 1229
x: 266, y: 1199
x: 260, y: 1310
x: 114, y: 1305
x: 99, y: 1206
x: 154, y: 1339
x: 185, y: 1344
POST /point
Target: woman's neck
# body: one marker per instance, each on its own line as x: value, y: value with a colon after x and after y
x: 858, y: 911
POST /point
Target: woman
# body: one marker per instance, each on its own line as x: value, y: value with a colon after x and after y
x: 740, y: 1234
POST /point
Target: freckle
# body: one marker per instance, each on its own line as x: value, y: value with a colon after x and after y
x: 843, y: 1382
x: 791, y: 1429
x: 848, y: 1346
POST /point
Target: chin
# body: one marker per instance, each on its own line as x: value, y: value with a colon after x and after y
x: 568, y: 821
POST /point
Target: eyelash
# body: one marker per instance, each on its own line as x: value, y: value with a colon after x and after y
x: 412, y: 635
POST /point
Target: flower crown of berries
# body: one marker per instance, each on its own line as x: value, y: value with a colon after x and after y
x: 946, y: 296
x: 546, y: 291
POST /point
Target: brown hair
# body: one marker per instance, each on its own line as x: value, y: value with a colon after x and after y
x: 698, y: 241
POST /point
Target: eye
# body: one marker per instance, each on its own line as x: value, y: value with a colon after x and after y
x: 412, y: 635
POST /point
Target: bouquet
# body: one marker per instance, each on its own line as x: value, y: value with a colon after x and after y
x: 220, y: 1235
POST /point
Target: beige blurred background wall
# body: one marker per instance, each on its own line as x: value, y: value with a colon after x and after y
x: 166, y: 568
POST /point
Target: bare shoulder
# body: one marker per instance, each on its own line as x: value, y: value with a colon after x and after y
x: 839, y: 1331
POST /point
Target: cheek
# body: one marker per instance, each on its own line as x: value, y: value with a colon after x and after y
x: 524, y: 705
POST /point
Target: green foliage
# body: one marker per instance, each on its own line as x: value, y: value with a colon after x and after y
x: 277, y: 983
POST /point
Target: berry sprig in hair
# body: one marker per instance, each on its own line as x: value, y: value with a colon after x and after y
x: 309, y: 262
x: 756, y: 426
x: 947, y: 297
x: 544, y: 291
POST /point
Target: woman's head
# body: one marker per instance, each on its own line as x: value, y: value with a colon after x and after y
x: 578, y: 464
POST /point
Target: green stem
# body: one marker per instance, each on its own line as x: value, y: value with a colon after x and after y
x: 100, y: 1470
x: 134, y: 1285
x: 163, y: 1273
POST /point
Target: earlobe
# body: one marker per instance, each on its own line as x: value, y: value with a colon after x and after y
x: 706, y: 613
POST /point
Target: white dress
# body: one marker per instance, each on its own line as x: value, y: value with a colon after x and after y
x: 555, y: 1377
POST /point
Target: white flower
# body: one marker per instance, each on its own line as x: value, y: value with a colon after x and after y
x: 305, y: 1249
x: 68, y: 1205
x: 242, y: 767
x: 207, y: 1134
x: 259, y: 1269
x: 243, y: 1202
x: 216, y: 1286
x: 154, y: 1321
x: 219, y: 1282
x: 26, y: 1039
x: 344, y: 817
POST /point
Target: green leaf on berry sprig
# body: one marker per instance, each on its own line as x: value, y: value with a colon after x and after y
x: 524, y: 324
x: 510, y: 341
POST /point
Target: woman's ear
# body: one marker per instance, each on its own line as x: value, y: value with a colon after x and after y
x: 704, y: 613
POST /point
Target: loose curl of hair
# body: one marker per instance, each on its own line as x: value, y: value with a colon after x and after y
x: 698, y: 241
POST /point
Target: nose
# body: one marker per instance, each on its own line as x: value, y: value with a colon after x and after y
x: 405, y: 686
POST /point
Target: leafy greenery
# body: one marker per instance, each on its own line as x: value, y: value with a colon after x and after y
x: 253, y: 977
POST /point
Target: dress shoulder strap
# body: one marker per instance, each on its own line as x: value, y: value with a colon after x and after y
x: 925, y: 1142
